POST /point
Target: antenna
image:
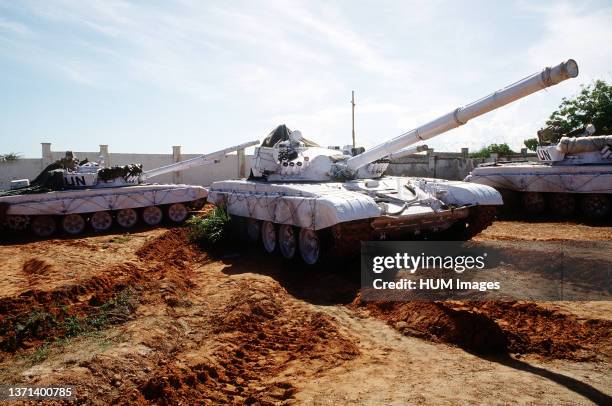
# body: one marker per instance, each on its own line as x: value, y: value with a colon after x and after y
x: 353, y: 108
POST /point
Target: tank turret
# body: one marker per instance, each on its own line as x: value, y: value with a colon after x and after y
x: 581, y: 149
x: 286, y: 156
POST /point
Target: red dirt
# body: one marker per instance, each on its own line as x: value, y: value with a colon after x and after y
x: 261, y: 335
x: 35, y: 266
x: 208, y: 331
x: 497, y: 327
x: 82, y: 298
x: 250, y: 336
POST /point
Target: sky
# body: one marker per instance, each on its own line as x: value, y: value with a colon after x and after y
x: 142, y: 76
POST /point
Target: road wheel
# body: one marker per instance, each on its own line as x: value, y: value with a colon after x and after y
x: 17, y: 223
x: 595, y: 206
x: 101, y: 221
x: 178, y: 212
x: 287, y: 241
x: 310, y: 244
x: 127, y: 218
x: 534, y: 202
x: 562, y: 204
x: 268, y: 236
x: 43, y: 226
x: 253, y: 230
x: 73, y: 224
x: 152, y: 215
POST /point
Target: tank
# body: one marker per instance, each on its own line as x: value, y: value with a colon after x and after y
x: 305, y: 199
x: 571, y: 177
x: 72, y: 194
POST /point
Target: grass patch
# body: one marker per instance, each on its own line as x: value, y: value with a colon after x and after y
x: 45, y: 350
x: 40, y: 354
x: 211, y: 229
x: 41, y: 324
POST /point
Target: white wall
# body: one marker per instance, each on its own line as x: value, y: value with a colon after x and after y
x: 24, y: 168
x: 228, y: 168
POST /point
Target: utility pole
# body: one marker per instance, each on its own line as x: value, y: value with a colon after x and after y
x: 353, y: 108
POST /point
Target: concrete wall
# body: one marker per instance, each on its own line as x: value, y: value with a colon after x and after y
x: 20, y: 169
x: 234, y: 166
x: 443, y: 165
x: 446, y: 165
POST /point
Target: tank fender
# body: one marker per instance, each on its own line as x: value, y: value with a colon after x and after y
x: 461, y: 193
x: 316, y: 212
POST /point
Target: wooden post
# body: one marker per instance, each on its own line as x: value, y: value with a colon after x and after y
x: 353, y: 110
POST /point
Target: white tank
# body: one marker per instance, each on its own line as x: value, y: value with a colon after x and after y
x: 308, y: 200
x: 71, y: 196
x: 572, y: 177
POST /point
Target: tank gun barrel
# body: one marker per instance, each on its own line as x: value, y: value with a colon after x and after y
x: 531, y: 84
x: 193, y: 162
x: 408, y: 151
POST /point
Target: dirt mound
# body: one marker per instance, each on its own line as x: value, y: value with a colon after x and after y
x: 496, y: 327
x: 260, y: 333
x: 33, y: 316
x: 172, y: 248
x: 439, y: 323
x: 531, y: 328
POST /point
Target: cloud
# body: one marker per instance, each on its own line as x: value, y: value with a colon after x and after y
x: 258, y: 64
x: 13, y: 27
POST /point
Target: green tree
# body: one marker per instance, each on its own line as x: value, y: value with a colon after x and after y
x: 531, y: 144
x: 499, y: 149
x: 592, y: 105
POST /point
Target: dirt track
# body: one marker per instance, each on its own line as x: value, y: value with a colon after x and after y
x: 147, y: 317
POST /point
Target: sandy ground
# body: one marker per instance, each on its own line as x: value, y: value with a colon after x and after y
x: 250, y: 328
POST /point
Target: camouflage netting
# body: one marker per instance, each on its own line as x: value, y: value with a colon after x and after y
x: 51, y: 178
x: 281, y: 133
x: 584, y: 144
x: 125, y: 172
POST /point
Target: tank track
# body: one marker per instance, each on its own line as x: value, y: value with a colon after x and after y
x: 479, y: 219
x: 346, y: 238
x: 55, y: 227
x: 591, y: 206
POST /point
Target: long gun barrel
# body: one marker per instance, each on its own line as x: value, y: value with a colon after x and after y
x: 531, y: 84
x: 193, y: 162
x: 407, y: 151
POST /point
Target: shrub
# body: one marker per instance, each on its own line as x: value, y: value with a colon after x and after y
x: 212, y: 228
x: 485, y: 152
x: 10, y: 157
